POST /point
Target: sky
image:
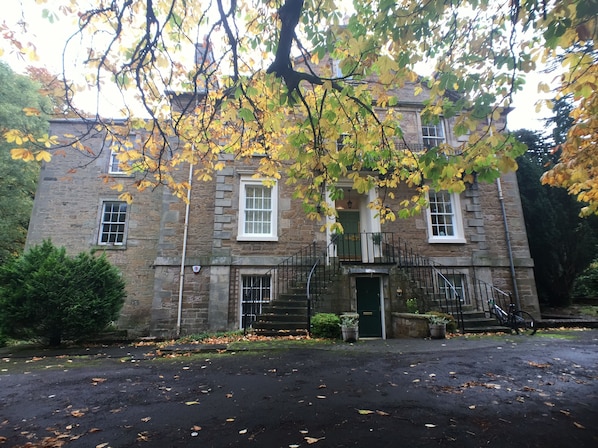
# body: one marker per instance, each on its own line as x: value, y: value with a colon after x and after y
x: 49, y: 40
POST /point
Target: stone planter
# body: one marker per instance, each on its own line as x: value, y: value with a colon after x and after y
x: 438, y: 331
x: 350, y: 326
x: 350, y: 334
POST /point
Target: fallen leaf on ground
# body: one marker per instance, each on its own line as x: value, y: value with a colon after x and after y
x: 243, y: 431
x: 579, y: 425
x: 92, y: 430
x: 430, y: 425
x: 196, y: 428
x: 567, y: 413
x: 539, y: 365
x: 146, y: 419
x: 382, y: 413
x: 311, y: 440
x: 77, y: 413
x: 365, y: 411
x: 190, y: 403
x: 98, y: 380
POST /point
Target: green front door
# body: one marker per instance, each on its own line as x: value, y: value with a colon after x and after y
x: 368, y: 306
x: 349, y: 243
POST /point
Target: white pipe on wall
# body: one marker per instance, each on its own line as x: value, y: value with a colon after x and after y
x: 184, y: 254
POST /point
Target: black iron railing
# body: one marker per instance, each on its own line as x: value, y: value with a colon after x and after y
x: 312, y: 269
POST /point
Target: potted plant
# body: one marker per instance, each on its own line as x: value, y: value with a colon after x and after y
x: 438, y: 326
x: 350, y: 327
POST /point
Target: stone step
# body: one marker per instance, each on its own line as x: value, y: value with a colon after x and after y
x: 284, y: 309
x: 280, y: 326
x: 487, y: 329
x: 292, y: 297
x: 479, y: 322
x: 280, y: 333
x: 279, y: 317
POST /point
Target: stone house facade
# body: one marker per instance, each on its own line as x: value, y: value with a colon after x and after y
x: 192, y: 270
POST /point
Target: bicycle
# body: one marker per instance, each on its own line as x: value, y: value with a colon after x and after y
x: 520, y: 321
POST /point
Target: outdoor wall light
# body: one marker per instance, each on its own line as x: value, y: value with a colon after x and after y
x: 196, y: 269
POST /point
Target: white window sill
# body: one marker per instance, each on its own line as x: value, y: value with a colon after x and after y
x: 445, y: 240
x: 257, y: 238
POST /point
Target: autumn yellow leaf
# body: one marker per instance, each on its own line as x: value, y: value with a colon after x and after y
x: 43, y: 155
x: 22, y: 154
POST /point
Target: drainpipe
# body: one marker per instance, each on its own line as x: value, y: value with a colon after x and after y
x: 184, y: 253
x: 501, y: 199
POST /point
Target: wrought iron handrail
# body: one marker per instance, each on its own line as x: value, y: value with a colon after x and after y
x: 329, y: 273
x: 458, y: 302
x: 422, y: 269
x: 285, y: 275
x: 314, y: 266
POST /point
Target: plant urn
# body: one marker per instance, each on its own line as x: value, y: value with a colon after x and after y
x: 350, y: 327
x: 438, y: 331
x: 350, y: 334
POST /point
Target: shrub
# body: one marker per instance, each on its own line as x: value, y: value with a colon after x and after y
x: 412, y: 306
x: 586, y: 284
x: 326, y: 325
x: 48, y: 295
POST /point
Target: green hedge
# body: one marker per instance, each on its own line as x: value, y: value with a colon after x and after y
x: 46, y: 294
x: 326, y: 325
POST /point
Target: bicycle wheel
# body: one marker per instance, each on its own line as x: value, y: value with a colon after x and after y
x: 524, y: 323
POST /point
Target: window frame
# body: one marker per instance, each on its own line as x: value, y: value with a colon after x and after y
x: 114, y: 164
x: 438, y: 139
x: 261, y: 300
x: 457, y: 220
x: 242, y: 235
x: 458, y: 281
x: 103, y: 223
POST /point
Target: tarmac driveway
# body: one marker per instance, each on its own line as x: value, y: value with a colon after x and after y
x: 502, y: 391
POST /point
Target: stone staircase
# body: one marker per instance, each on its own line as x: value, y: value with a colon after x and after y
x: 477, y: 322
x: 285, y: 316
